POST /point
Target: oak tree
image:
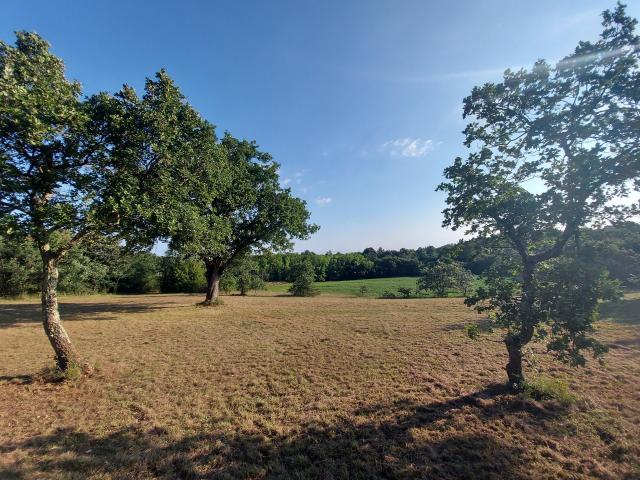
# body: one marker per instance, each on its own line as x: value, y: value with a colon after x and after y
x: 250, y: 212
x: 554, y: 149
x: 54, y: 168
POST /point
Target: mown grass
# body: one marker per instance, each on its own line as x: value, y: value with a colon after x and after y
x: 627, y: 310
x: 295, y: 388
x: 375, y: 286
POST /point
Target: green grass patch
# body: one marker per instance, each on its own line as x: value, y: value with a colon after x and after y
x: 626, y: 310
x: 543, y: 388
x: 375, y: 287
x: 370, y: 287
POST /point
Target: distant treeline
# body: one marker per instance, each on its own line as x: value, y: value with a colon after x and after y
x: 372, y: 263
x: 103, y: 266
x: 618, y: 247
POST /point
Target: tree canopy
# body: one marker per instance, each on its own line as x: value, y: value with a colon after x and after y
x: 56, y: 171
x: 75, y: 168
x: 554, y: 149
x: 251, y: 212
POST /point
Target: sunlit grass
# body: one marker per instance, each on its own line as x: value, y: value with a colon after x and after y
x: 292, y: 388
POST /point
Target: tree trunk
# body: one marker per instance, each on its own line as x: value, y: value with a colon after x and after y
x: 214, y: 271
x: 514, y: 365
x: 66, y: 354
x: 528, y: 321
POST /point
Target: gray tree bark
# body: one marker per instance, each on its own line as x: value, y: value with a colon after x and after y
x: 214, y: 271
x: 66, y: 354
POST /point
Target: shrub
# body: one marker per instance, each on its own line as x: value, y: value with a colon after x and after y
x: 182, y: 275
x: 141, y: 275
x: 405, y: 292
x: 543, y: 388
x: 304, y: 277
x: 472, y: 330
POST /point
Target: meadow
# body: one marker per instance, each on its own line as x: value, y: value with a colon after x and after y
x: 375, y: 286
x: 329, y: 387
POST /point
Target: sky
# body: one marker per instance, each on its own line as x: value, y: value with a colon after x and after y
x: 360, y: 101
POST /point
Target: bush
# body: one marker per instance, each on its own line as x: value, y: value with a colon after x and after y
x: 141, y: 275
x: 363, y: 291
x: 303, y: 281
x: 472, y: 330
x: 388, y: 294
x: 182, y: 275
x: 405, y: 292
x: 542, y: 388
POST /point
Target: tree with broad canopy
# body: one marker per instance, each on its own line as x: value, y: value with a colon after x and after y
x: 56, y: 173
x: 74, y: 168
x: 555, y: 149
x: 251, y: 212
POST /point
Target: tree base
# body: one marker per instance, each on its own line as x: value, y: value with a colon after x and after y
x: 517, y: 386
x: 73, y: 371
x: 210, y: 303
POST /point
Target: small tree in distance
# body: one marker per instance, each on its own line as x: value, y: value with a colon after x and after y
x: 303, y: 281
x: 465, y: 281
x: 442, y: 277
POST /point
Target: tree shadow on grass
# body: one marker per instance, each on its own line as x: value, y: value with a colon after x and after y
x: 14, y: 313
x: 353, y: 448
x: 626, y: 311
x: 21, y: 379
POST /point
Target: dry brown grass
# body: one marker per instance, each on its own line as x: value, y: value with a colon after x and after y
x: 326, y: 388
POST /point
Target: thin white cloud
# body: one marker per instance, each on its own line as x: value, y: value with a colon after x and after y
x: 407, y: 147
x: 498, y: 72
x: 286, y: 181
x: 323, y: 201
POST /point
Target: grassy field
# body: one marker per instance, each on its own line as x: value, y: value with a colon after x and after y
x: 305, y: 388
x: 375, y: 286
x: 351, y: 288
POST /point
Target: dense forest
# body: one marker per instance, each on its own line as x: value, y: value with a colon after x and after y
x: 105, y: 266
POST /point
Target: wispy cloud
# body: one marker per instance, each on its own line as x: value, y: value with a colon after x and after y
x: 407, y: 147
x: 323, y: 201
x: 497, y: 72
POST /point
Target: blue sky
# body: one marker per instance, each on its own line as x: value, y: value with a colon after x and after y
x: 359, y: 101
